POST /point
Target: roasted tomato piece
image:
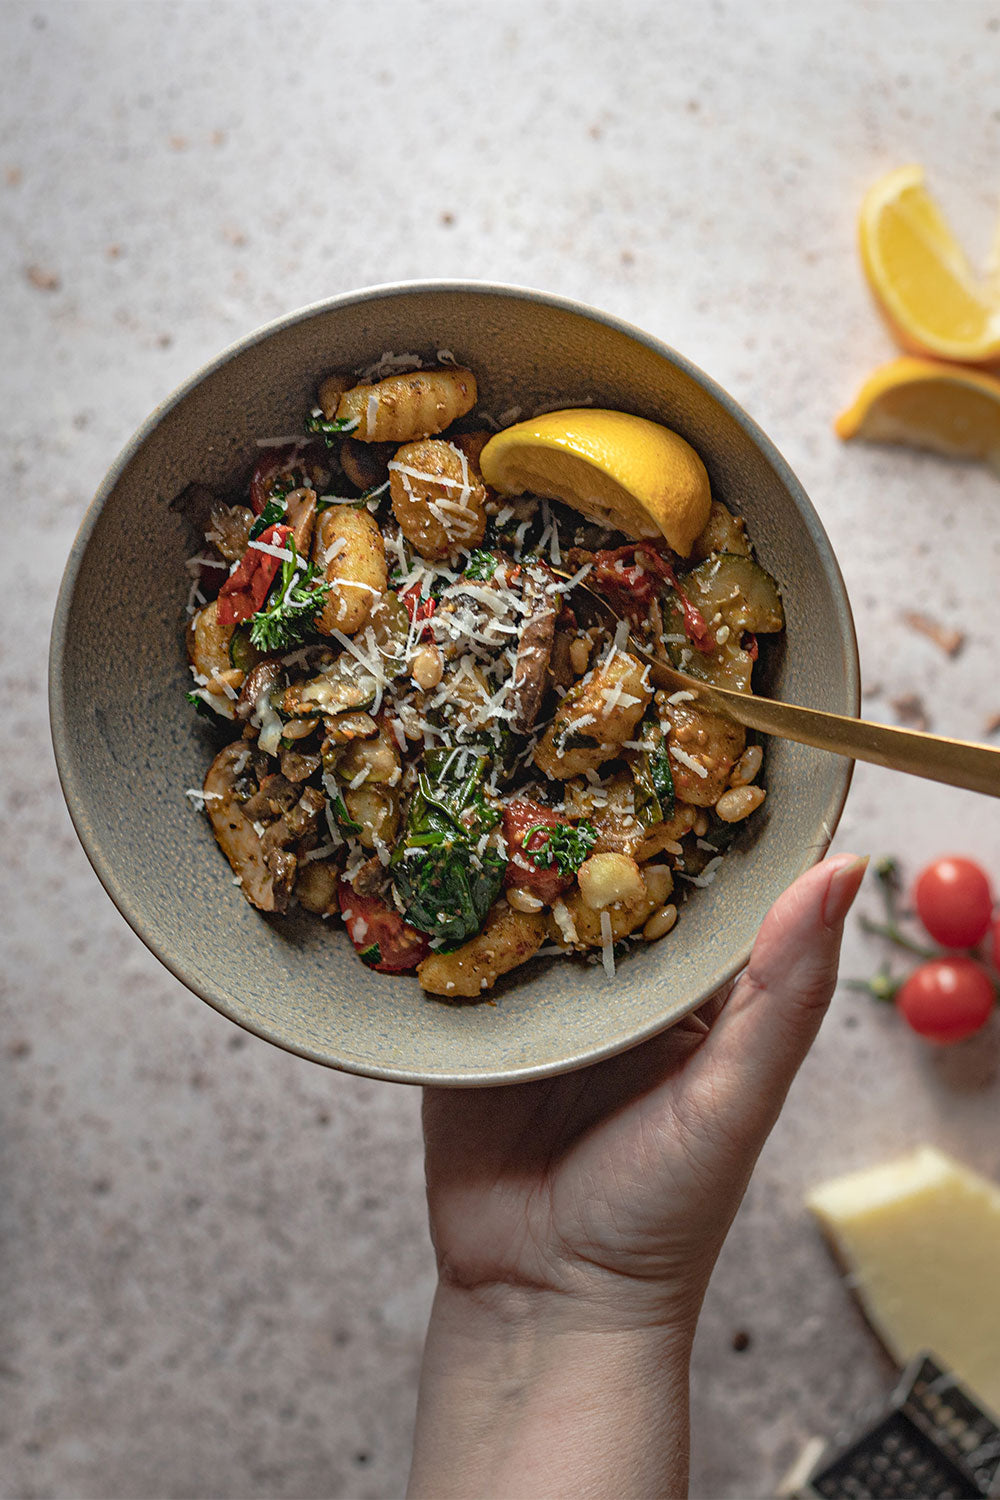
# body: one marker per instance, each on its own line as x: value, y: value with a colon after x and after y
x: 631, y: 575
x: 245, y: 590
x: 382, y: 939
x: 417, y: 608
x: 526, y: 826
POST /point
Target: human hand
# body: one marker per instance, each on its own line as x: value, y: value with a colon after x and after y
x: 576, y: 1222
x: 621, y: 1180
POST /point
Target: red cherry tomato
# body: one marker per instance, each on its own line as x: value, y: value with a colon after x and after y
x: 954, y: 901
x: 382, y: 939
x: 947, y: 999
x: 520, y: 817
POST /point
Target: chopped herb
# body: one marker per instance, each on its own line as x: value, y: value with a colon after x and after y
x: 481, y: 565
x: 290, y: 612
x: 330, y: 430
x: 273, y: 512
x: 372, y: 955
x: 565, y: 847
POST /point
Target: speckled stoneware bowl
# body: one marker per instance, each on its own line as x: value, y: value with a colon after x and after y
x: 128, y: 744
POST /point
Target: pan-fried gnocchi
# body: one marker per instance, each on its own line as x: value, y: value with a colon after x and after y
x: 438, y: 498
x: 402, y: 408
x: 433, y: 740
x: 350, y: 550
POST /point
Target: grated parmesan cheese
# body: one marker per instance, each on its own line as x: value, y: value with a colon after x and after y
x: 607, y: 945
x: 683, y: 759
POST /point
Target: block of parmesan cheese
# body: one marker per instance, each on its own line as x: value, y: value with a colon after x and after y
x: 920, y: 1240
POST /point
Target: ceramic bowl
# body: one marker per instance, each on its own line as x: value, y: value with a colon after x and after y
x: 127, y: 743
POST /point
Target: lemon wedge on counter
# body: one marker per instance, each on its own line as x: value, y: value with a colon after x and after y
x: 920, y: 402
x: 618, y: 470
x: 919, y: 273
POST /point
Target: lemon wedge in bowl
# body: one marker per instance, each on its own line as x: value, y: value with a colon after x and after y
x: 924, y: 403
x: 934, y: 302
x: 618, y: 470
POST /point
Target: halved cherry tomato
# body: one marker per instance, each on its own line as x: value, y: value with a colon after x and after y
x: 947, y: 999
x: 954, y: 901
x: 520, y: 817
x: 245, y: 590
x: 382, y: 939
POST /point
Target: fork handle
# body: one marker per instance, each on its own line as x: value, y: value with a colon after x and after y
x: 933, y: 756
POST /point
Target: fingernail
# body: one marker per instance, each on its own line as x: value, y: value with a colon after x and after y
x: 843, y: 887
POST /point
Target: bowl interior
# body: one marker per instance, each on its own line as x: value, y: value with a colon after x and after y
x: 128, y: 745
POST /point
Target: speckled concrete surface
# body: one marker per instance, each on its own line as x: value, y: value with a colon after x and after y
x: 214, y: 1270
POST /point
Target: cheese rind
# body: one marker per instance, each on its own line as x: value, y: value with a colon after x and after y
x: 920, y: 1239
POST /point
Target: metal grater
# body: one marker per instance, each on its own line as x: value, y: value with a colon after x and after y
x: 933, y: 1443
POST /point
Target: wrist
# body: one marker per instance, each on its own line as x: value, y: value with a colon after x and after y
x: 526, y: 1391
x: 607, y: 1307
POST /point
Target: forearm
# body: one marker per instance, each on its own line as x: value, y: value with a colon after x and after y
x: 527, y: 1395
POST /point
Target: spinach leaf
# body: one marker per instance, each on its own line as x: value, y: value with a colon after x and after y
x: 446, y: 884
x: 654, y: 781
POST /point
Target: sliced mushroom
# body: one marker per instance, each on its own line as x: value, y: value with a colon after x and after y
x: 234, y: 830
x: 278, y: 841
x: 298, y: 767
x: 300, y: 510
x: 366, y: 464
x: 229, y: 528
x: 263, y: 678
x: 274, y: 796
x: 534, y: 649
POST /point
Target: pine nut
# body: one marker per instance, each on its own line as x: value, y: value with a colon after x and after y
x: 297, y: 729
x: 659, y: 882
x: 660, y: 923
x: 700, y: 825
x: 522, y: 900
x: 579, y: 655
x: 427, y: 668
x: 739, y: 802
x: 746, y: 768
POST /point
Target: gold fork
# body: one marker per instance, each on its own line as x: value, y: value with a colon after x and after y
x: 934, y: 756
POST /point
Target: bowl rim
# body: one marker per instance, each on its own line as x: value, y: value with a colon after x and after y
x: 63, y: 749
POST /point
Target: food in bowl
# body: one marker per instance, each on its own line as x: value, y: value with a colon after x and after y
x: 431, y: 741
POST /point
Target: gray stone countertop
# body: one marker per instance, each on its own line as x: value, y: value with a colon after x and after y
x: 215, y: 1270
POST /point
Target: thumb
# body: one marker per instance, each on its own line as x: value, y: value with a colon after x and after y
x: 768, y: 1024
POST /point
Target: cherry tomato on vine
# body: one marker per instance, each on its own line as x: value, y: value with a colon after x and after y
x: 947, y: 999
x: 954, y: 901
